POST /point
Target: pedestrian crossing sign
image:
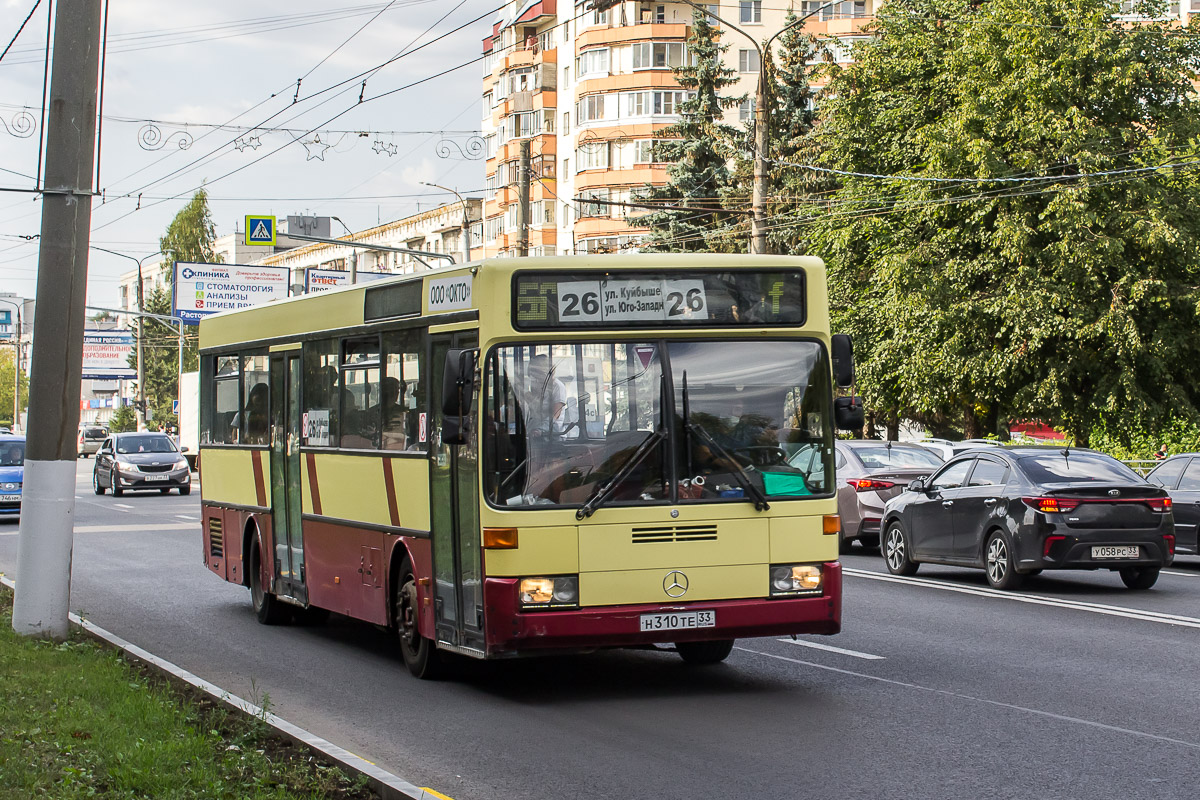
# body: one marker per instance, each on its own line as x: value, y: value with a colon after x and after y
x: 260, y: 230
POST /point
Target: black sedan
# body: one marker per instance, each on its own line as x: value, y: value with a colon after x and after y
x: 1015, y: 512
x: 1180, y: 476
x: 140, y: 461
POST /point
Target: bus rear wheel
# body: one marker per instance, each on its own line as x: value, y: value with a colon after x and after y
x: 420, y: 654
x: 701, y: 653
x: 267, y: 607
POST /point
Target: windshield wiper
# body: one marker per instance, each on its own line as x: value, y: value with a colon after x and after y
x: 605, y: 490
x: 738, y: 471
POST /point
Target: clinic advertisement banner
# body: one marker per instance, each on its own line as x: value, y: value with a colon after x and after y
x: 106, y: 355
x: 203, y: 289
x: 322, y: 280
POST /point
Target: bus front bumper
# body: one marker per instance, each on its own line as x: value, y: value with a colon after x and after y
x: 511, y: 630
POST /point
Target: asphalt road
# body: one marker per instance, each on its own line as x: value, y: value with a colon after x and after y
x: 939, y: 687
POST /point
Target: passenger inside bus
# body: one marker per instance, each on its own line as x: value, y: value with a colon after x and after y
x: 399, y: 426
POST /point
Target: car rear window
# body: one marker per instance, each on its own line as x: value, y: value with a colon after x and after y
x: 94, y: 433
x: 1059, y: 468
x: 883, y: 456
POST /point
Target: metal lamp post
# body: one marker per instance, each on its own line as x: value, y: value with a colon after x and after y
x: 140, y: 404
x: 466, y: 220
x: 762, y: 95
x: 16, y: 366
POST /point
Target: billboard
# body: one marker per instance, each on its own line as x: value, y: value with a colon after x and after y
x: 203, y: 289
x: 106, y: 355
x: 322, y: 280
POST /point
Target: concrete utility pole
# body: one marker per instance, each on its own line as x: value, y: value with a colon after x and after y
x: 466, y: 220
x: 48, y: 498
x: 523, y: 179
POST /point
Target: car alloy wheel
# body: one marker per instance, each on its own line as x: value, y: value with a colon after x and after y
x: 895, y: 552
x: 998, y: 561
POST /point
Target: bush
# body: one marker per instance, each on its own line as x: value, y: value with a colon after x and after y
x: 1180, y: 436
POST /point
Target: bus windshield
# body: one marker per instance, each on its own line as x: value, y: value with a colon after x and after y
x: 723, y: 420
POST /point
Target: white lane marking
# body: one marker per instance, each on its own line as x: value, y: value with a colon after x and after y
x: 185, y: 516
x: 167, y: 526
x: 971, y: 698
x: 831, y: 649
x: 1077, y: 605
x: 1181, y: 574
x: 9, y: 533
x: 375, y: 774
x: 121, y: 505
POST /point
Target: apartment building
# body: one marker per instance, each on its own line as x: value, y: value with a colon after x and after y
x: 591, y: 90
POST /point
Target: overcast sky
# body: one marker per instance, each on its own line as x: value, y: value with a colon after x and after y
x: 194, y: 66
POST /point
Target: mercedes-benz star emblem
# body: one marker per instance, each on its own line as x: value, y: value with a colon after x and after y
x: 675, y: 584
x: 1114, y: 492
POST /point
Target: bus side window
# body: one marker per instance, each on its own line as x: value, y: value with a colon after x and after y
x: 321, y: 392
x: 361, y: 414
x: 227, y: 399
x: 402, y: 391
x: 252, y: 419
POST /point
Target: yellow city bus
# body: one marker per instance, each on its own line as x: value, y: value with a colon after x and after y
x: 536, y: 455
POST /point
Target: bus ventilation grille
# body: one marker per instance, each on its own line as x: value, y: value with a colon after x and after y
x: 216, y: 540
x: 675, y: 533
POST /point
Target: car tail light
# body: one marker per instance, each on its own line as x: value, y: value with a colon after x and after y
x: 1051, y: 505
x: 1159, y: 504
x: 1050, y: 542
x: 1169, y: 538
x: 869, y: 484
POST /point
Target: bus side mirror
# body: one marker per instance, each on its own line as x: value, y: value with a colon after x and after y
x: 848, y: 413
x: 843, y: 359
x: 458, y: 384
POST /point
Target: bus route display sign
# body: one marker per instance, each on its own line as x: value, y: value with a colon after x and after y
x: 640, y: 299
x: 203, y: 289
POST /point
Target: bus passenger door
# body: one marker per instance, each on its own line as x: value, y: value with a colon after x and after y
x: 285, y: 475
x: 454, y: 515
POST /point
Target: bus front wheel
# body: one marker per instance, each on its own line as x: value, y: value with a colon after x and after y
x: 420, y: 654
x: 704, y: 652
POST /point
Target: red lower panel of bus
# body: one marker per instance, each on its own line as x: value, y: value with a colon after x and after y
x: 509, y: 629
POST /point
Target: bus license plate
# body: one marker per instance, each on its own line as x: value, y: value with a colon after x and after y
x: 679, y: 621
x: 1129, y: 551
x: 158, y: 477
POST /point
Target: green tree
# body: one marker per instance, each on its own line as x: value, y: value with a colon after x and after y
x: 7, y: 368
x: 123, y: 419
x: 698, y: 150
x: 191, y: 234
x: 1058, y: 278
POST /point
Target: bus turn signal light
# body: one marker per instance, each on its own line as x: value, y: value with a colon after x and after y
x: 500, y: 538
x: 831, y: 525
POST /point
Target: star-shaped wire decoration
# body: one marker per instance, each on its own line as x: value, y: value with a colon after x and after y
x: 380, y: 147
x: 315, y: 148
x: 253, y: 142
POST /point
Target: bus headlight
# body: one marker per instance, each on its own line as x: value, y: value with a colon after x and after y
x: 556, y: 592
x: 793, y: 579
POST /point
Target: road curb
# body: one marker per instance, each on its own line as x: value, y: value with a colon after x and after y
x: 387, y: 785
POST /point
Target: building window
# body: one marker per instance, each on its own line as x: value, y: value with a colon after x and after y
x: 487, y: 105
x: 592, y: 62
x: 748, y: 61
x: 520, y: 80
x: 492, y: 226
x: 592, y: 155
x: 657, y: 55
x: 601, y: 18
x: 668, y: 102
x: 566, y: 122
x: 591, y: 107
x: 751, y: 11
x: 643, y: 151
x: 746, y: 109
x: 589, y: 208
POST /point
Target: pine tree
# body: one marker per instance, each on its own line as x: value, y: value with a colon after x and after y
x: 698, y: 151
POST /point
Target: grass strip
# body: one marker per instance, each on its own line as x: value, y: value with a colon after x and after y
x: 79, y: 721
